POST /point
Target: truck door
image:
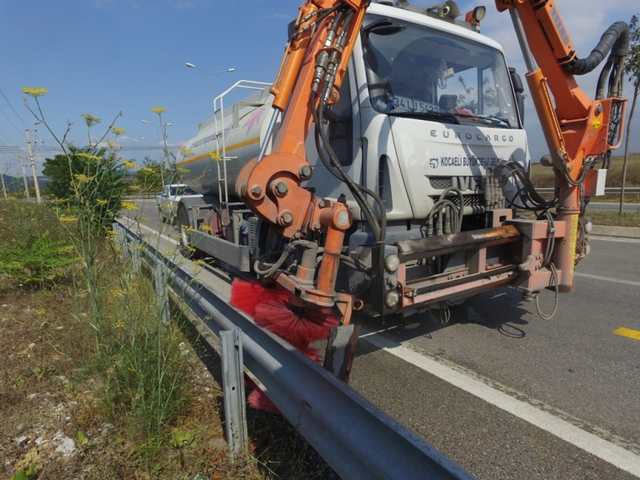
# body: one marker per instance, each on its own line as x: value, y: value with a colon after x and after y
x: 341, y: 132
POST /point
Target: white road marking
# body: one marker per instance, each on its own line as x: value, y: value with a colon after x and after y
x: 604, y: 238
x: 608, y: 279
x: 590, y: 443
x: 149, y: 229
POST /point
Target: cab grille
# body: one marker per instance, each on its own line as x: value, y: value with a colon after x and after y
x: 441, y: 183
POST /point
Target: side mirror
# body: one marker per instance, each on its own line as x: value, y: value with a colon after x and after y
x: 518, y: 88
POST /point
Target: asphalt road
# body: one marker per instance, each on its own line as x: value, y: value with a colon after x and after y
x: 503, y: 393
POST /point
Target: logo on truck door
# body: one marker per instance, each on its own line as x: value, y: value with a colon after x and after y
x: 482, y: 138
x: 463, y: 161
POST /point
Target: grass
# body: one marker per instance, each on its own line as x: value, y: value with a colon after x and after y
x: 34, y: 247
x: 544, y: 176
x: 613, y: 219
x: 128, y: 391
x: 140, y: 359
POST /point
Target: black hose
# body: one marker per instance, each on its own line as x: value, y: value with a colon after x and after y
x: 615, y: 40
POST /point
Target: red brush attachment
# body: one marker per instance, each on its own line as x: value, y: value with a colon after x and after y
x: 271, y: 309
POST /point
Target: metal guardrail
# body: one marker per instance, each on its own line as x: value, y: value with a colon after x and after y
x: 609, y: 190
x: 354, y: 437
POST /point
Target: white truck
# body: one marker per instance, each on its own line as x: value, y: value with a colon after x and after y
x: 424, y: 158
x: 169, y: 199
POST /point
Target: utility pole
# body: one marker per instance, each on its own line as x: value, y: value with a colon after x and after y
x: 4, y: 186
x: 32, y: 160
x: 24, y: 177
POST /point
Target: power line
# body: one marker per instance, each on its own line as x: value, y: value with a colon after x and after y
x: 6, y: 99
x: 11, y: 122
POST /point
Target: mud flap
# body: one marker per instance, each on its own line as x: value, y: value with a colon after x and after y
x: 341, y: 348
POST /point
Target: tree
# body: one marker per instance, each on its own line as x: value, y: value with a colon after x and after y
x: 88, y: 178
x: 632, y: 68
x: 150, y: 178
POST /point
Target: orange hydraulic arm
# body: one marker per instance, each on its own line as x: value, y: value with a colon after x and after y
x: 579, y: 130
x: 311, y: 73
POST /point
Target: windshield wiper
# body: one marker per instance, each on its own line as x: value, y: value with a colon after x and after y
x: 448, y: 117
x: 493, y: 119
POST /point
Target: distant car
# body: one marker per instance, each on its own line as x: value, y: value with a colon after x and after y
x: 170, y: 197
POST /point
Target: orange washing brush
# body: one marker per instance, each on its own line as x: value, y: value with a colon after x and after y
x: 271, y: 309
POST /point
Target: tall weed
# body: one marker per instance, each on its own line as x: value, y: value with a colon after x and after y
x: 144, y: 370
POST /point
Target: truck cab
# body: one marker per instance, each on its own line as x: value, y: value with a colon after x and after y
x: 428, y: 105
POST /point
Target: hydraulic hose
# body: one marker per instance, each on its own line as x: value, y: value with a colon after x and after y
x: 615, y: 39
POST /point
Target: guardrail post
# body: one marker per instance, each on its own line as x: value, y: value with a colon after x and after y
x: 119, y: 236
x: 233, y: 389
x: 160, y: 283
x: 136, y: 259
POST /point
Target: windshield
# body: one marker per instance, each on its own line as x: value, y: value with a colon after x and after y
x: 416, y: 71
x: 178, y: 191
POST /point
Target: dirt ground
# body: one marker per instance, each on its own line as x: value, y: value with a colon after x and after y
x: 52, y: 424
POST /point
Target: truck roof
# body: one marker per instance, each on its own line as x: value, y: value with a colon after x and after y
x: 432, y: 22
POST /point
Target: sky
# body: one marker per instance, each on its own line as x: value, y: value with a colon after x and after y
x: 107, y: 56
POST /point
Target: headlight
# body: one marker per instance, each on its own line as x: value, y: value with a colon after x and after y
x: 392, y: 299
x: 392, y: 263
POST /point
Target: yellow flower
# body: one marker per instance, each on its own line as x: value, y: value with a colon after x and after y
x: 119, y: 324
x: 117, y: 131
x: 117, y: 292
x: 88, y: 156
x: 159, y: 109
x: 82, y: 178
x: 67, y: 219
x: 129, y: 164
x: 129, y: 206
x: 90, y: 119
x: 35, y: 91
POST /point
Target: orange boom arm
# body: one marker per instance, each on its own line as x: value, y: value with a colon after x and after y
x: 579, y: 130
x: 311, y: 74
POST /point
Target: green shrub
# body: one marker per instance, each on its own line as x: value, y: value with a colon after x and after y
x: 34, y: 246
x: 39, y: 261
x: 89, y: 181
